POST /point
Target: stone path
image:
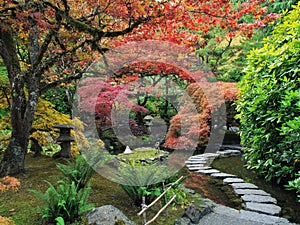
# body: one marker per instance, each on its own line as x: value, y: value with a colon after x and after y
x: 258, y: 205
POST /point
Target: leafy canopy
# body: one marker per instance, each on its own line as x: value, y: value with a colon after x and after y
x: 269, y: 103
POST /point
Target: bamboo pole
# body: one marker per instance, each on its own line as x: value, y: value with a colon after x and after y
x: 159, y: 197
x: 161, y: 210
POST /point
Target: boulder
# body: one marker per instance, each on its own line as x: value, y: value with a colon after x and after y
x: 107, y: 215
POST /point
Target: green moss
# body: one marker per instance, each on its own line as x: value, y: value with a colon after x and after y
x: 142, y: 153
x: 21, y: 206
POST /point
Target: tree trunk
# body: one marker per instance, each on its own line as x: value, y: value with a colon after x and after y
x: 14, y: 159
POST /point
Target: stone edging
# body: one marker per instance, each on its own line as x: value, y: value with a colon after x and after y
x: 257, y: 204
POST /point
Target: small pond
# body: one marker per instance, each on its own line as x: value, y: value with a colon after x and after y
x: 286, y: 199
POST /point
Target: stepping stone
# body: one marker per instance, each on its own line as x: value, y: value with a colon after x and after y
x: 197, y: 159
x: 259, y: 199
x: 208, y: 172
x: 195, y: 162
x: 223, y: 153
x: 250, y: 192
x: 199, y: 168
x: 270, y: 209
x: 232, y: 180
x: 261, y: 218
x: 233, y: 152
x: 243, y: 186
x: 210, y: 155
x: 222, y: 175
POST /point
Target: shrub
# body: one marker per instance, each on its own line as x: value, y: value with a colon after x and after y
x: 269, y: 103
x: 295, y: 185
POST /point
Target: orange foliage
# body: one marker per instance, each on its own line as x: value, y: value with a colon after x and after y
x: 8, y: 182
x: 191, y: 126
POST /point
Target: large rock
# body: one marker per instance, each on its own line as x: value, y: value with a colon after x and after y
x: 107, y: 215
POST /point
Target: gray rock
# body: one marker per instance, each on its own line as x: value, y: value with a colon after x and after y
x: 208, y: 172
x: 222, y: 175
x: 270, y: 209
x: 250, y: 192
x: 192, y: 213
x: 243, y: 186
x: 107, y: 215
x: 262, y: 218
x: 232, y: 180
x: 225, y: 210
x: 182, y: 221
x: 259, y: 199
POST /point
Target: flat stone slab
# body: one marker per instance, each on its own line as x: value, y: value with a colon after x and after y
x: 232, y: 180
x: 250, y: 192
x: 223, y: 153
x: 222, y: 175
x: 225, y: 210
x: 233, y: 152
x: 210, y: 155
x: 259, y: 199
x: 199, y: 168
x: 270, y: 209
x: 243, y: 186
x: 195, y: 162
x: 208, y: 172
x: 262, y: 218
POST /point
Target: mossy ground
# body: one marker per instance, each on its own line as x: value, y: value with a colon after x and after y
x: 143, y: 153
x: 22, y: 205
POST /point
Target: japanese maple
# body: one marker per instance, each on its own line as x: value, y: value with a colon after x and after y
x: 47, y: 43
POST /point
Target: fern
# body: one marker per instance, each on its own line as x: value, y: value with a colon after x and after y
x: 65, y: 201
x: 79, y: 172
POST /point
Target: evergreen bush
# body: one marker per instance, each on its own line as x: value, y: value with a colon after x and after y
x: 269, y: 103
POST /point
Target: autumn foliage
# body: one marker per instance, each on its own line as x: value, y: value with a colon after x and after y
x: 199, y: 125
x: 8, y: 182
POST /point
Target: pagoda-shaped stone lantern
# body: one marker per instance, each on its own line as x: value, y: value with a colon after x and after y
x: 65, y: 139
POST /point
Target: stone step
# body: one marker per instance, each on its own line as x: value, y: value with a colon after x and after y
x: 243, y: 186
x: 208, y: 172
x: 270, y: 209
x: 232, y: 180
x: 199, y: 168
x: 261, y: 218
x: 222, y: 175
x: 259, y: 199
x: 195, y: 162
x: 250, y: 192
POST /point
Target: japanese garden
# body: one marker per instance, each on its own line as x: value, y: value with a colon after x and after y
x: 149, y: 112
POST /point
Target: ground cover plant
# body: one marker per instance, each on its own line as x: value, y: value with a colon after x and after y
x: 269, y: 103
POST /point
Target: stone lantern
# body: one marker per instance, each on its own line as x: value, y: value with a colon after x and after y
x: 65, y: 139
x: 148, y: 122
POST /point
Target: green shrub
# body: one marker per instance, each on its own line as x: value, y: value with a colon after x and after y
x: 64, y: 202
x: 78, y: 172
x: 269, y: 103
x: 295, y: 185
